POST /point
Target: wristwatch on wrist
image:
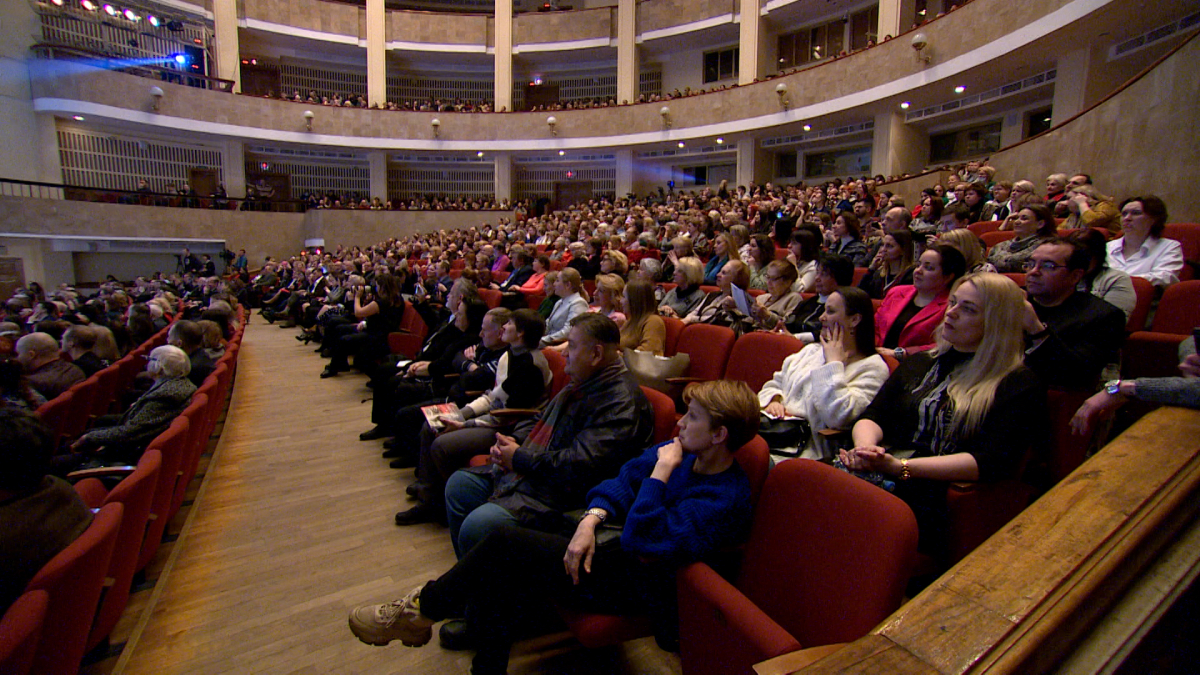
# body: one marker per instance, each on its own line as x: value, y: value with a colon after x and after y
x: 598, y: 512
x: 899, y: 353
x: 1113, y: 387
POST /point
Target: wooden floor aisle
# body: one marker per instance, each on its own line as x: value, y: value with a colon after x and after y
x: 293, y: 527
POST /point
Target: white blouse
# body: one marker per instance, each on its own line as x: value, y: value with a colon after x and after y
x: 1158, y: 261
x: 828, y: 395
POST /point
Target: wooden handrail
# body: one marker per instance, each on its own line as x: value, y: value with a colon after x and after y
x: 1025, y: 598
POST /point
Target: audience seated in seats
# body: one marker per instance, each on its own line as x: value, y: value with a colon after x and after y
x: 846, y: 239
x: 1088, y: 208
x: 724, y: 250
x: 189, y: 337
x: 15, y: 391
x: 213, y: 341
x: 680, y: 501
x: 1112, y: 286
x: 686, y: 296
x: 718, y: 307
x: 523, y: 271
x: 965, y: 411
x: 39, y: 513
x: 909, y: 315
x: 761, y: 253
x: 833, y: 271
x: 534, y: 284
x: 397, y: 402
x: 643, y: 330
x: 1177, y: 391
x: 609, y: 297
x: 547, y: 465
x: 614, y: 262
x: 122, y: 438
x: 1034, y: 225
x: 1071, y: 334
x: 803, y: 251
x: 1142, y: 251
x: 366, y: 340
x: 892, y: 265
x: 1056, y: 188
x: 569, y: 289
x: 830, y: 383
x: 968, y: 244
x: 773, y: 307
x: 1001, y: 204
x: 77, y: 343
x: 48, y: 373
x: 522, y: 380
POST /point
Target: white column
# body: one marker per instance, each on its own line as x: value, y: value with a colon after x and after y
x: 503, y: 176
x: 378, y: 160
x: 627, y: 56
x: 751, y: 163
x: 897, y: 147
x: 748, y: 42
x: 504, y: 46
x: 233, y: 168
x: 225, y: 41
x: 1070, y: 85
x: 376, y: 53
x: 624, y: 172
x: 889, y: 19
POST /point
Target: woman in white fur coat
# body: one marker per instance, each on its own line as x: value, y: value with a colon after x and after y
x: 829, y: 383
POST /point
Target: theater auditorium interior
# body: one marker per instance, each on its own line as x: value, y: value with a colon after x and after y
x: 267, y: 176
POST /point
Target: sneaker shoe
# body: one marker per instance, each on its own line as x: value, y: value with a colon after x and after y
x: 400, y: 620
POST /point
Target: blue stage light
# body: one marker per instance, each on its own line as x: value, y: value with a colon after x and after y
x: 181, y: 59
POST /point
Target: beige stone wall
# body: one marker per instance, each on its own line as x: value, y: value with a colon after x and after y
x: 261, y: 234
x: 1144, y: 139
x: 432, y: 28
x: 884, y: 63
x: 659, y: 14
x: 582, y: 24
x: 326, y: 17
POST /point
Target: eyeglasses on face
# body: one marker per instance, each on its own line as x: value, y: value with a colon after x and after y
x: 1045, y: 265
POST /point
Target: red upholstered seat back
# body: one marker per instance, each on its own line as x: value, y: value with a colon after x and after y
x: 20, y: 631
x: 709, y: 347
x: 757, y: 356
x: 813, y: 527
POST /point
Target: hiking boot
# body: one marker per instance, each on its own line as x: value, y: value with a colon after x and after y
x: 399, y: 620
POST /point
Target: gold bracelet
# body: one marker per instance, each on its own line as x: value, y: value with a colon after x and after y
x: 905, y: 474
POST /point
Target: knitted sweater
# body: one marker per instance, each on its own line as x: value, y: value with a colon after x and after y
x: 684, y: 519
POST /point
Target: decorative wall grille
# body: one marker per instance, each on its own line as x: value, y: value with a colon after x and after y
x: 325, y: 81
x: 448, y: 180
x: 98, y: 160
x: 532, y: 182
x: 343, y: 179
x: 402, y: 87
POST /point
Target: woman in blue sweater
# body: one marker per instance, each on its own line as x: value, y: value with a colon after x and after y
x: 680, y: 501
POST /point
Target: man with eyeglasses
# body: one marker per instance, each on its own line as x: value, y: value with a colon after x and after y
x: 1070, y: 335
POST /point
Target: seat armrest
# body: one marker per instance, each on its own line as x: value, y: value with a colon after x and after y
x: 100, y: 472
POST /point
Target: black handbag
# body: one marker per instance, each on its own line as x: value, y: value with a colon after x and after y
x: 785, y: 436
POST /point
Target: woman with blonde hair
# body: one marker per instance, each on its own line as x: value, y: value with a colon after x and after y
x: 968, y: 410
x: 610, y: 291
x: 614, y: 262
x: 969, y: 244
x: 686, y: 296
x: 644, y: 329
x: 724, y: 250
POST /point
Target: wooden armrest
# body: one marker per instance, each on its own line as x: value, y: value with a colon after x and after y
x: 794, y: 661
x: 832, y: 433
x: 100, y: 472
x: 682, y: 380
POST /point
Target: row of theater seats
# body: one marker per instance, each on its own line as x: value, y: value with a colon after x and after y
x: 73, y: 603
x: 726, y: 627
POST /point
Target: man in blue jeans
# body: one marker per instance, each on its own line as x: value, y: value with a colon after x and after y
x: 600, y: 420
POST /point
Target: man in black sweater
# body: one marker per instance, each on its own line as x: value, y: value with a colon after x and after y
x: 1070, y: 334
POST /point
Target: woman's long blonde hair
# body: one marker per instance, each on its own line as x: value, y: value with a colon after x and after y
x: 972, y: 386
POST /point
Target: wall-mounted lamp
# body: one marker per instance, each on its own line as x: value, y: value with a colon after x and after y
x: 666, y: 116
x: 781, y: 90
x: 308, y: 118
x: 552, y: 122
x: 437, y: 126
x: 156, y: 95
x: 920, y: 44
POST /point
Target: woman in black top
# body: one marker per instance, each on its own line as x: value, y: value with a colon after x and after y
x: 968, y: 410
x: 367, y: 340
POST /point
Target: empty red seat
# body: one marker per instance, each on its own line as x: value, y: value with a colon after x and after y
x: 20, y: 629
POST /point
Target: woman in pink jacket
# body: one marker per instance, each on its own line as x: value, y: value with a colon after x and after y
x: 909, y: 315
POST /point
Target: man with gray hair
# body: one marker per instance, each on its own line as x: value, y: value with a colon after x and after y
x: 122, y: 438
x: 48, y: 374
